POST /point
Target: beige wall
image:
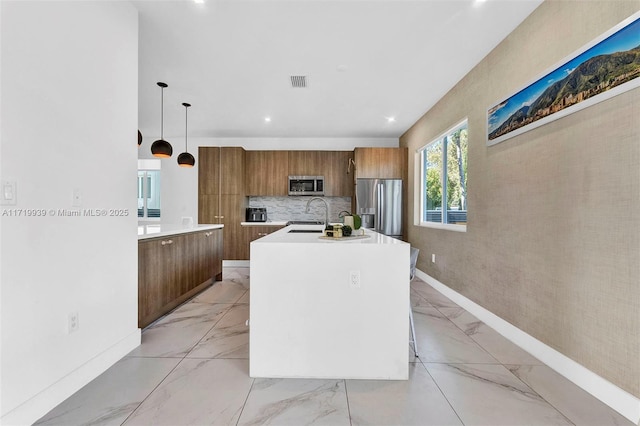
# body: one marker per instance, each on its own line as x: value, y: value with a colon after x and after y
x: 552, y: 242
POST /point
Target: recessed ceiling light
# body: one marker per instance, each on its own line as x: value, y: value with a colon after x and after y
x: 267, y: 119
x: 198, y: 1
x: 391, y: 119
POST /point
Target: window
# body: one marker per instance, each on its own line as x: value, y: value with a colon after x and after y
x: 444, y: 160
x: 148, y: 189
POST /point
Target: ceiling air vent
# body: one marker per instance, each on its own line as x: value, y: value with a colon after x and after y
x: 298, y: 81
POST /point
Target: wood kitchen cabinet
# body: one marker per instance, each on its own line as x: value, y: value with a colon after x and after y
x: 232, y: 212
x: 266, y: 173
x: 173, y: 268
x: 208, y: 171
x: 253, y: 232
x: 221, y: 193
x: 209, y: 209
x: 221, y: 170
x: 390, y: 163
x: 306, y: 163
x: 204, y: 257
x: 338, y: 180
x: 156, y: 276
x: 333, y: 165
x: 232, y: 166
x: 384, y: 163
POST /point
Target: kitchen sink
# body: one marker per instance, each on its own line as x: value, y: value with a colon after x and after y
x: 305, y: 222
x: 305, y: 231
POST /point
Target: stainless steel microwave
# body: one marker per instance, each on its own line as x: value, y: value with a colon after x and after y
x: 306, y: 185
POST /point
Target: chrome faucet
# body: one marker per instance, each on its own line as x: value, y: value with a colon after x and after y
x: 326, y: 211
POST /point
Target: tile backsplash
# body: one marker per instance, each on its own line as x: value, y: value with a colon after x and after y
x: 293, y: 208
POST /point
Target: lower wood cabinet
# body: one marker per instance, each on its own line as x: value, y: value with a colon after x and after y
x: 232, y: 212
x: 253, y: 232
x: 174, y: 268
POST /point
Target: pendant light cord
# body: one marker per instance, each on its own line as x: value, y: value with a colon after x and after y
x: 161, y: 112
x: 186, y: 146
x: 186, y: 126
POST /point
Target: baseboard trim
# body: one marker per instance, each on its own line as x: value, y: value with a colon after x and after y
x: 610, y: 394
x: 33, y: 409
x: 235, y: 263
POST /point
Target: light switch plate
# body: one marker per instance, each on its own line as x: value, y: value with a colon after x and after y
x: 8, y: 193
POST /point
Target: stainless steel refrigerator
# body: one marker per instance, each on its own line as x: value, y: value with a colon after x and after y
x: 379, y: 204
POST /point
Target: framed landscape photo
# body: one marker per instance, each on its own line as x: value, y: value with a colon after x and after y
x: 604, y: 68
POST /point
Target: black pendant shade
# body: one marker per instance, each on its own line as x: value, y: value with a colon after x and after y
x: 185, y: 159
x: 139, y: 138
x: 161, y: 148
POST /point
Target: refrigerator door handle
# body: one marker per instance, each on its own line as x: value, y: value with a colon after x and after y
x: 380, y: 209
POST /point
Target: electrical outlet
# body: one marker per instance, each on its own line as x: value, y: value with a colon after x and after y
x: 433, y: 258
x: 354, y: 279
x: 73, y: 324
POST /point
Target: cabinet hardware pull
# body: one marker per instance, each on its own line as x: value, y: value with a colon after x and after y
x: 167, y: 242
x: 262, y: 234
x: 208, y: 234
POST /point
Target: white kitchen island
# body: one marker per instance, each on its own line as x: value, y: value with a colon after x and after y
x: 309, y: 319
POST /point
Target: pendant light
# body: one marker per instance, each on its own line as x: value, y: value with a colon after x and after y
x: 139, y: 138
x: 161, y: 148
x: 185, y: 159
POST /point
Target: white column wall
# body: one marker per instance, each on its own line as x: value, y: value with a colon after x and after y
x: 69, y: 100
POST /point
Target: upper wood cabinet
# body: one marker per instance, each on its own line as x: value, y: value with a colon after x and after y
x: 232, y: 166
x: 333, y: 165
x: 306, y: 163
x: 266, y: 173
x: 208, y: 171
x: 390, y: 163
x: 220, y: 170
x: 338, y: 180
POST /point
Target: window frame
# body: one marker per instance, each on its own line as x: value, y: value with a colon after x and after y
x: 420, y: 178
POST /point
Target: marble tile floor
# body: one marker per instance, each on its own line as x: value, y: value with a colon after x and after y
x: 193, y: 369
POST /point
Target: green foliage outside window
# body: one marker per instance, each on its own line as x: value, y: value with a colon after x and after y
x: 455, y: 173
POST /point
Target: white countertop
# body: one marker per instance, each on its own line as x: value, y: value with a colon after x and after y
x: 152, y: 230
x: 283, y: 236
x: 268, y: 223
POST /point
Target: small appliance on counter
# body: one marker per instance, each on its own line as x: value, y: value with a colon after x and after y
x: 256, y: 214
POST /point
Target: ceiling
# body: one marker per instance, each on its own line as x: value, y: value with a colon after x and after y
x: 365, y: 61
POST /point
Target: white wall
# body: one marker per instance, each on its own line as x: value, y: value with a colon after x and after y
x: 69, y: 93
x: 180, y: 185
